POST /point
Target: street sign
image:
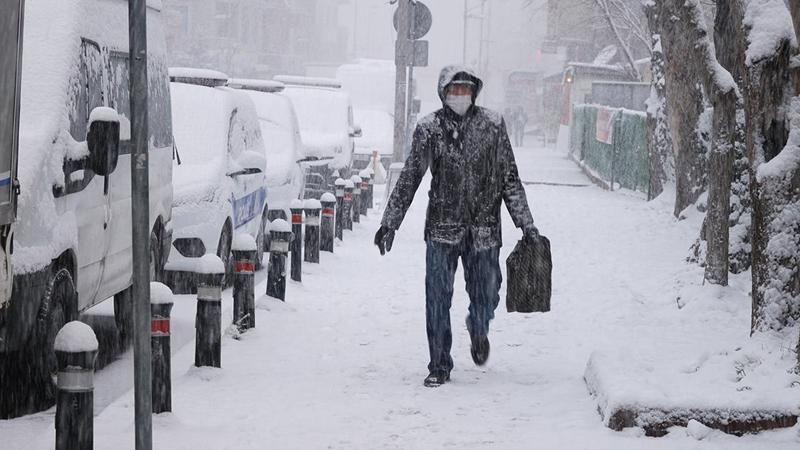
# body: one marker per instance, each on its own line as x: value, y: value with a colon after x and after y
x: 411, y: 53
x: 10, y: 74
x: 423, y: 19
x: 420, y: 54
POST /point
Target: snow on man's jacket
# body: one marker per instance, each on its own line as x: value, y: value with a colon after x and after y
x: 473, y: 170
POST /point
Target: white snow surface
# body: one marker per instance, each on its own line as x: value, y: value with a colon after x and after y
x: 296, y: 204
x: 280, y: 226
x: 328, y: 197
x: 103, y: 114
x: 244, y: 242
x: 312, y: 203
x: 191, y: 72
x: 340, y: 364
x: 770, y: 23
x: 160, y: 293
x: 788, y: 159
x: 209, y: 264
x: 75, y: 337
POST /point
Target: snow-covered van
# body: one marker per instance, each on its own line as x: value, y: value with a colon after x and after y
x: 219, y: 173
x: 326, y: 126
x: 281, y: 133
x: 71, y: 245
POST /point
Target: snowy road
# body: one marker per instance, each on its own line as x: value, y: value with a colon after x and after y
x: 340, y: 365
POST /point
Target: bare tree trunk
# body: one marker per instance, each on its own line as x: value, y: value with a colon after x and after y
x: 685, y: 98
x: 659, y: 141
x: 775, y: 278
x: 730, y: 49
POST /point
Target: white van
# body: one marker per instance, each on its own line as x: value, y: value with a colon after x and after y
x: 71, y: 245
x: 326, y: 127
x: 219, y: 174
x: 284, y: 146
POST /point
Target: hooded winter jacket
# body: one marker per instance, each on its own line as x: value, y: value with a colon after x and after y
x: 473, y: 170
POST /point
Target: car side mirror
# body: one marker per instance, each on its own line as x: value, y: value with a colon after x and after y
x: 355, y: 131
x: 248, y: 171
x: 103, y: 140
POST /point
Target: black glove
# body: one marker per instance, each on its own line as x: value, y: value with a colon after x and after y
x: 530, y: 232
x: 383, y: 239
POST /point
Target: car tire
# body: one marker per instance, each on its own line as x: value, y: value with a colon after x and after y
x: 40, y: 366
x: 225, y: 254
x: 261, y: 239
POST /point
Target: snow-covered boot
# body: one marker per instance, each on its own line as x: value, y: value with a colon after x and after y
x: 479, y: 349
x: 436, y: 378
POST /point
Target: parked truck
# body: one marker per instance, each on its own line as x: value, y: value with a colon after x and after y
x: 68, y: 247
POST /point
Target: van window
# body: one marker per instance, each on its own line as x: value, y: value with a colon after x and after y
x: 159, y: 111
x: 89, y: 92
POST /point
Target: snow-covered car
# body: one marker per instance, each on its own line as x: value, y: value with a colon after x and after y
x: 219, y: 173
x: 326, y: 122
x: 71, y: 244
x: 281, y: 133
x: 377, y: 138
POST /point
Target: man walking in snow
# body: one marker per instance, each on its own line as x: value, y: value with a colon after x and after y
x: 472, y: 164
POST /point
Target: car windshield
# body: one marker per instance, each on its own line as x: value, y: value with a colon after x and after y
x: 319, y: 111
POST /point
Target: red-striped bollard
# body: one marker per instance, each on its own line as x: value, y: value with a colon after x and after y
x: 244, y: 269
x: 280, y: 236
x: 356, y: 210
x: 160, y: 309
x: 76, y: 350
x: 327, y: 226
x: 296, y: 246
x: 340, y: 208
x: 364, y: 175
x: 347, y: 220
x: 312, y: 208
x: 371, y: 188
x: 208, y: 321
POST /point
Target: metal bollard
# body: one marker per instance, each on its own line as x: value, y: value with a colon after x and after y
x: 208, y: 322
x: 312, y: 208
x: 340, y: 208
x: 76, y: 350
x: 244, y: 282
x: 371, y: 188
x: 296, y: 246
x: 280, y: 236
x: 364, y: 175
x: 160, y: 309
x: 347, y: 205
x: 327, y: 226
x: 356, y: 214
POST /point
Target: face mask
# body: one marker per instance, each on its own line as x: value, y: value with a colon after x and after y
x: 459, y: 103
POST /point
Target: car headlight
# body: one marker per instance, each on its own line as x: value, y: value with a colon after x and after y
x: 190, y: 247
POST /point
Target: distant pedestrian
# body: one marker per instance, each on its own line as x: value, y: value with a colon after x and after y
x: 472, y: 163
x: 521, y: 121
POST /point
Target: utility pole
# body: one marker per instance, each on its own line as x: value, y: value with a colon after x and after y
x: 403, y: 48
x: 140, y: 210
x: 466, y: 19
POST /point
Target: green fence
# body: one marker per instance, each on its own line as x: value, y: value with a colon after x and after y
x: 625, y: 163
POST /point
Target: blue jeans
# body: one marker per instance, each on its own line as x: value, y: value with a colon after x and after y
x: 483, y: 278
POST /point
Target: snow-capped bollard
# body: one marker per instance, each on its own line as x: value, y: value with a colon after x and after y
x: 370, y: 187
x: 208, y: 322
x: 327, y: 226
x: 364, y: 175
x: 356, y: 209
x: 160, y: 309
x: 280, y: 237
x: 244, y: 281
x: 340, y: 208
x: 76, y: 350
x: 312, y: 208
x: 347, y: 205
x: 296, y: 246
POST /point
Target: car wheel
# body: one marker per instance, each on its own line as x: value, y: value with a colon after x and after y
x: 224, y: 253
x: 57, y: 309
x: 261, y: 239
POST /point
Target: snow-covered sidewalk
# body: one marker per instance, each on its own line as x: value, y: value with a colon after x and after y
x: 341, y: 363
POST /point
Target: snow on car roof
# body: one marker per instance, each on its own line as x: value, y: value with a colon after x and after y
x: 256, y: 85
x: 332, y: 83
x: 202, y: 77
